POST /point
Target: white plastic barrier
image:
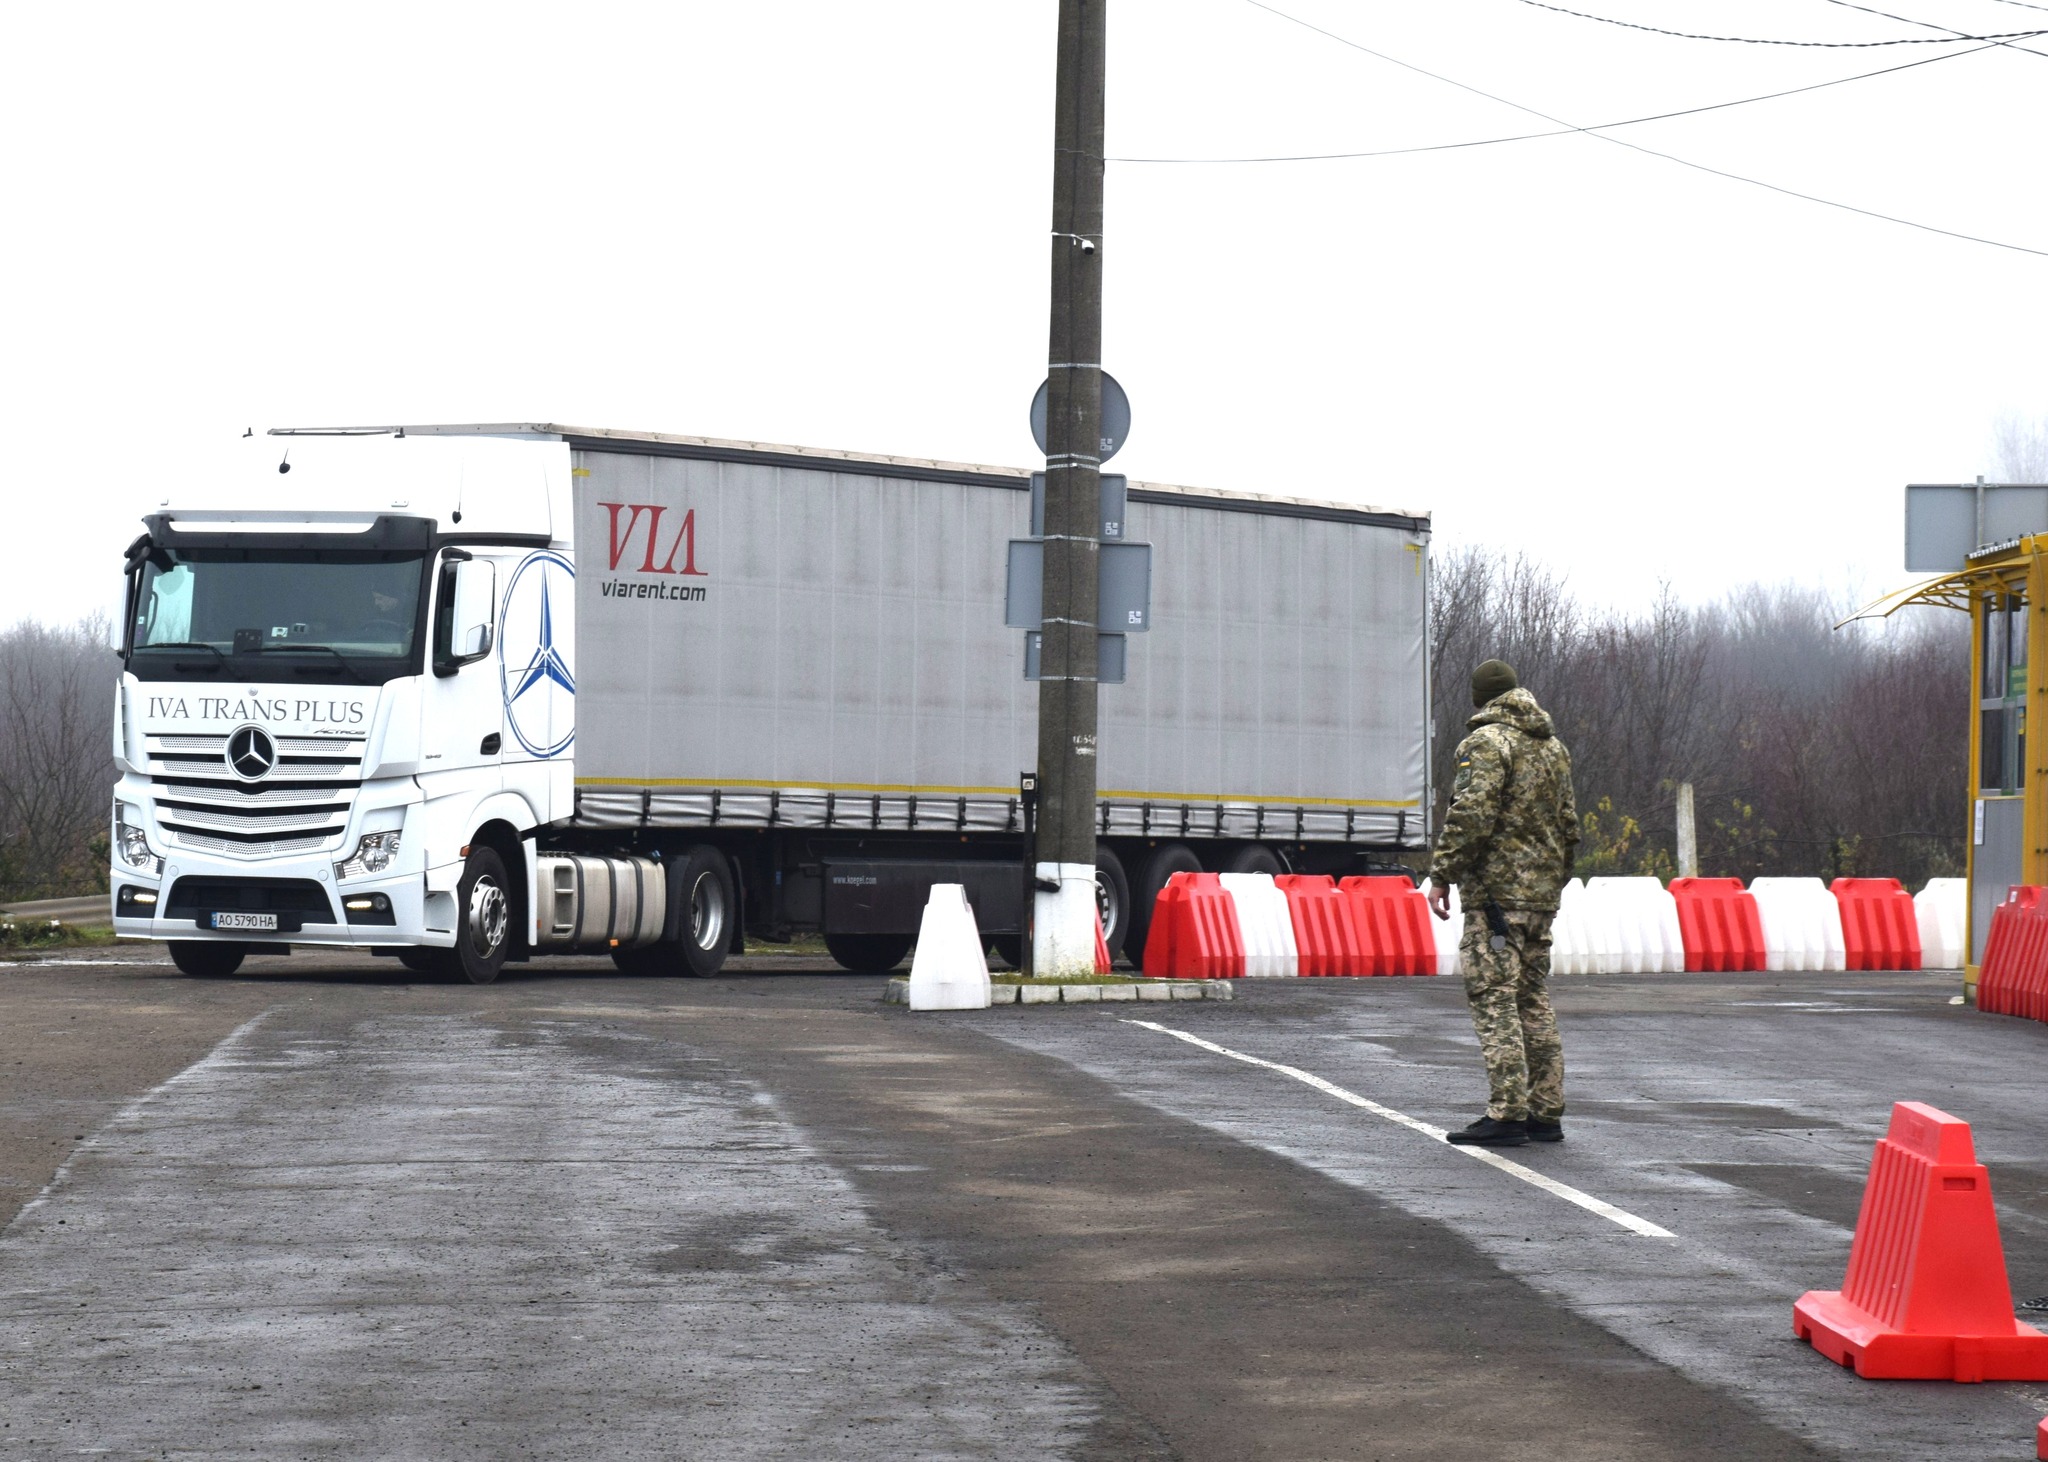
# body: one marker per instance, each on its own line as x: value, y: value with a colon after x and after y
x: 1448, y: 932
x: 1802, y: 924
x: 950, y: 968
x: 1941, y: 907
x: 1632, y: 927
x: 1264, y: 923
x: 1570, y: 947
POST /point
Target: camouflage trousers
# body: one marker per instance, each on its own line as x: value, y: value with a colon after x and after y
x: 1511, y: 1012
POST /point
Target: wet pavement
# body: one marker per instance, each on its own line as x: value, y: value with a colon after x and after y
x: 326, y: 1209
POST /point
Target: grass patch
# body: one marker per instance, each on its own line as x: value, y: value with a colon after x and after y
x: 1131, y: 979
x: 24, y: 938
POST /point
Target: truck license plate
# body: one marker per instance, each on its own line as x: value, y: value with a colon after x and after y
x: 245, y: 921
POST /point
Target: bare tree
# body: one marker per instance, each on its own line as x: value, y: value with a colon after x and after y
x: 1811, y: 750
x: 56, y: 759
x: 2021, y: 445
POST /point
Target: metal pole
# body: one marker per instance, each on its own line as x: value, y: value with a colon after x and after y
x: 1027, y: 799
x: 1064, y: 934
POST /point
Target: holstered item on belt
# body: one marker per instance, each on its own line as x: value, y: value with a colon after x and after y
x: 1498, y: 923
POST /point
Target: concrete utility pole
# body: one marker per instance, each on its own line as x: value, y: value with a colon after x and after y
x: 1064, y: 931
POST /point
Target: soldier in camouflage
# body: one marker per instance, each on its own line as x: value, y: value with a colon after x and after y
x: 1508, y: 844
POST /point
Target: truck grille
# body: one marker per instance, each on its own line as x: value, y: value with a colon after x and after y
x: 301, y: 805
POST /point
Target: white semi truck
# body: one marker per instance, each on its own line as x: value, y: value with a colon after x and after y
x: 467, y: 694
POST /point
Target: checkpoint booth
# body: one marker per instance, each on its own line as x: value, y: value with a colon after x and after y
x: 1987, y: 547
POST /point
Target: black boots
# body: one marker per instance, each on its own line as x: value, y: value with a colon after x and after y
x: 1486, y: 1132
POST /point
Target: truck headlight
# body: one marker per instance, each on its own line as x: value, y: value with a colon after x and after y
x: 375, y: 853
x: 133, y: 843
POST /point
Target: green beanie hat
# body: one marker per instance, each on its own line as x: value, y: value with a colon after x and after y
x: 1494, y: 678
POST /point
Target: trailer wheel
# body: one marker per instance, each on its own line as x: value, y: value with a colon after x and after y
x: 1112, y: 899
x: 1252, y: 858
x: 483, y: 909
x: 868, y: 954
x: 1166, y: 860
x: 206, y: 960
x: 1009, y: 949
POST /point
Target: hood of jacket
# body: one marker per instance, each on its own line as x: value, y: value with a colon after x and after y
x: 1518, y: 710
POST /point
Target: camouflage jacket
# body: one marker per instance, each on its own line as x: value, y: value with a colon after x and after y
x: 1513, y: 827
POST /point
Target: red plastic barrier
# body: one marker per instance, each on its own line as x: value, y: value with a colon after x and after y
x: 1392, y: 919
x: 1325, y: 936
x: 1194, y: 933
x: 1717, y: 919
x: 2041, y: 1441
x: 1879, y: 923
x: 1926, y: 1295
x: 1102, y: 964
x: 2014, y: 972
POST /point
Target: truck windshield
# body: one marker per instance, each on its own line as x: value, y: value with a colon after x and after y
x: 321, y: 614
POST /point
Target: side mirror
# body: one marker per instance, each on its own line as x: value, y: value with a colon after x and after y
x: 466, y: 611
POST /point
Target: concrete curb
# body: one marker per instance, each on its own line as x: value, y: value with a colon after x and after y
x: 898, y: 992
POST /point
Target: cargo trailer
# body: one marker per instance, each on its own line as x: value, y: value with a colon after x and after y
x: 465, y: 694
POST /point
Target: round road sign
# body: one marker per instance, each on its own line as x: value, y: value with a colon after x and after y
x: 1116, y: 416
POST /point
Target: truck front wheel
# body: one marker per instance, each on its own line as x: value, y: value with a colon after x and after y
x: 206, y: 960
x: 484, y: 908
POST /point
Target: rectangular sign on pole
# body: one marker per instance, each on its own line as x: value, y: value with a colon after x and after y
x: 1123, y: 578
x: 1947, y: 522
x: 1115, y: 498
x: 1109, y: 657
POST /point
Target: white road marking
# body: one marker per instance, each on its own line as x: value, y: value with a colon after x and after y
x: 1492, y: 1159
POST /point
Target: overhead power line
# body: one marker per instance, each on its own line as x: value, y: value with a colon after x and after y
x: 1566, y: 131
x: 1945, y: 30
x: 1638, y: 147
x: 2017, y: 35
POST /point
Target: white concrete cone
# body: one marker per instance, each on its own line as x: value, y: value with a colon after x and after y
x: 950, y: 968
x: 1063, y: 926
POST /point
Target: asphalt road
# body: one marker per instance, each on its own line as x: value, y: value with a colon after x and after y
x: 319, y: 1210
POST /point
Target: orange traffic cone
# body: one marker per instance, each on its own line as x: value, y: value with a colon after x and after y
x: 1926, y: 1296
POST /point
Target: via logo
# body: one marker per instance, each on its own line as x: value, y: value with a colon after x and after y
x: 535, y: 649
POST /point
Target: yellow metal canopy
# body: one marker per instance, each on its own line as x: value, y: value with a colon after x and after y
x: 1947, y: 591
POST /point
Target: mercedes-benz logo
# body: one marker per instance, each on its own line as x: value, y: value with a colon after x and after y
x: 251, y: 753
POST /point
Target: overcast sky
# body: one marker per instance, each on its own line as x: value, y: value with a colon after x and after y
x: 826, y: 224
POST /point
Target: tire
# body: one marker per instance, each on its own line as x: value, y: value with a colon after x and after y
x: 483, y: 912
x: 705, y: 912
x: 702, y: 913
x: 868, y: 954
x: 1251, y: 858
x: 1009, y: 949
x: 206, y: 960
x: 1112, y: 899
x: 1166, y: 860
x: 440, y: 963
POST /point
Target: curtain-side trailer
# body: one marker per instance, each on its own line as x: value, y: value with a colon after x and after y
x: 466, y: 694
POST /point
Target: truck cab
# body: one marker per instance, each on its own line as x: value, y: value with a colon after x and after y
x: 347, y: 700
